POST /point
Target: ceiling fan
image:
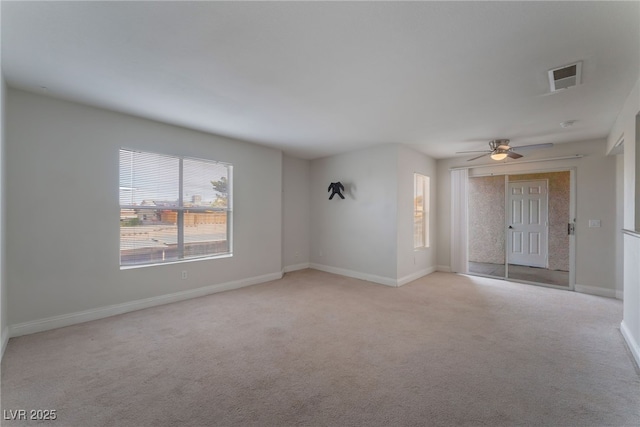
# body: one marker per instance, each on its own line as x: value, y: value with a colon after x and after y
x: 500, y: 150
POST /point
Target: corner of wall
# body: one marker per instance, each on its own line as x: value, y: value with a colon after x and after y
x: 296, y: 208
x: 3, y: 282
x: 381, y: 280
x: 5, y: 341
x: 296, y: 267
x: 618, y: 129
x: 596, y: 290
x: 634, y: 347
x: 410, y: 263
x: 628, y: 125
x: 356, y: 234
x: 415, y: 276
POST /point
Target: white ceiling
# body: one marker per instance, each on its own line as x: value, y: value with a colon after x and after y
x: 319, y: 78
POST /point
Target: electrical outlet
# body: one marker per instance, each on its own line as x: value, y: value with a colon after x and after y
x: 184, y: 274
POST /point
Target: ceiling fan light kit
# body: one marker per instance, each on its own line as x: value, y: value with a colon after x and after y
x: 499, y: 155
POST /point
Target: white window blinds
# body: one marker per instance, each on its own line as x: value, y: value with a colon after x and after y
x: 173, y: 208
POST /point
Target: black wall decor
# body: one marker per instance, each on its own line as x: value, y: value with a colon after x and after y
x: 336, y: 188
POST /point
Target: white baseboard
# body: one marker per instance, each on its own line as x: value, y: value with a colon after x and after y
x: 443, y: 268
x: 620, y: 295
x: 54, y: 322
x: 594, y: 290
x: 295, y: 267
x: 5, y: 341
x: 418, y: 274
x: 356, y: 274
x: 631, y: 342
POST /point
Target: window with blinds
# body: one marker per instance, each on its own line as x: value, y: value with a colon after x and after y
x: 173, y: 208
x: 420, y: 211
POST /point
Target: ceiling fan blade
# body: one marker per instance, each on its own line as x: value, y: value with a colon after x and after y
x: 514, y: 155
x: 481, y: 155
x: 477, y: 151
x: 528, y: 147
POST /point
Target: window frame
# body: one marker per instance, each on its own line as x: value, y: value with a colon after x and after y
x: 180, y: 210
x: 424, y: 181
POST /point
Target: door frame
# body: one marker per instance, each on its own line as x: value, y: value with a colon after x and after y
x: 572, y: 217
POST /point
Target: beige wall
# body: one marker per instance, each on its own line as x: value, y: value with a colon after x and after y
x: 63, y: 154
x: 296, y: 213
x: 486, y: 219
x: 4, y: 319
x: 356, y: 236
x: 412, y: 263
x: 369, y: 234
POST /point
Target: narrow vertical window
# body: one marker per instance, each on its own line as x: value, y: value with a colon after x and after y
x: 420, y: 211
x: 172, y: 208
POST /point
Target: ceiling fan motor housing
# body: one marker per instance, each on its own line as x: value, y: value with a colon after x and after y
x: 499, y: 144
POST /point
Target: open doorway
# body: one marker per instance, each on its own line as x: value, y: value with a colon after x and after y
x: 518, y: 227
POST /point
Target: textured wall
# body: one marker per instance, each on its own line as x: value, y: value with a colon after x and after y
x: 487, y: 217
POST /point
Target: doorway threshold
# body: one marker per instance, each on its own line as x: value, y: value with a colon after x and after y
x: 520, y: 273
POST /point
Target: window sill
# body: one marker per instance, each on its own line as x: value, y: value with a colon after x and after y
x: 182, y: 261
x: 631, y: 232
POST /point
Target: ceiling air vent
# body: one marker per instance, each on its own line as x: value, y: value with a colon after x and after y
x: 565, y: 77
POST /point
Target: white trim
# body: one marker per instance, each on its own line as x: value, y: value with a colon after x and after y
x: 415, y: 276
x: 573, y: 209
x: 631, y: 342
x: 443, y: 268
x: 5, y: 341
x: 387, y: 281
x: 295, y: 267
x: 620, y: 295
x: 595, y: 290
x: 508, y: 206
x: 631, y: 233
x: 356, y: 274
x: 112, y: 310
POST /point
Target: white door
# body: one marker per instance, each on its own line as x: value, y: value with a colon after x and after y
x: 528, y: 223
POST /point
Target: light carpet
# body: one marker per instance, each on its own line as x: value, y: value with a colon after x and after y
x: 319, y: 349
